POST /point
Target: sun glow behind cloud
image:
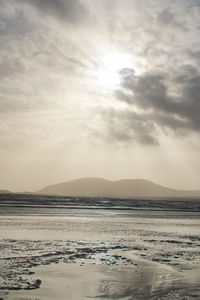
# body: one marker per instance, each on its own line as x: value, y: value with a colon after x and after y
x: 65, y: 96
x: 112, y: 63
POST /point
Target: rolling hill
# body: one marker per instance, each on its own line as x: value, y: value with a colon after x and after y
x: 124, y: 188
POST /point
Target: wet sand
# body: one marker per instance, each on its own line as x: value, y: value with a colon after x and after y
x: 99, y: 254
x: 142, y: 281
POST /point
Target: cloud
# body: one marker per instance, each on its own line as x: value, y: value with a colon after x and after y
x: 194, y: 55
x: 128, y: 127
x: 10, y: 67
x: 72, y: 11
x: 45, y: 64
x: 16, y: 24
x: 168, y: 18
x: 150, y: 107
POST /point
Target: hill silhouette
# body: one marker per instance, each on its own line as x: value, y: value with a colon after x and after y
x: 124, y: 188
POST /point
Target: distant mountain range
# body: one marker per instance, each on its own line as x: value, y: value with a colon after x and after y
x: 124, y: 188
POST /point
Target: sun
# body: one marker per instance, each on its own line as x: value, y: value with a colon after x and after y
x: 109, y: 72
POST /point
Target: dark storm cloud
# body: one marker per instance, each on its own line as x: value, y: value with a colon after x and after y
x: 185, y: 73
x: 70, y: 10
x: 159, y: 110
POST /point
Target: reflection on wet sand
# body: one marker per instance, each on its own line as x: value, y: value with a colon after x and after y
x: 82, y: 254
x: 90, y: 281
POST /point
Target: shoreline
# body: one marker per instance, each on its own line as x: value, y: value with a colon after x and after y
x: 123, y: 256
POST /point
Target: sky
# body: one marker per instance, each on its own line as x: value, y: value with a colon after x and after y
x: 103, y: 88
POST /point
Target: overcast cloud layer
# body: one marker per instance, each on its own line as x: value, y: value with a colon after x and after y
x: 58, y: 119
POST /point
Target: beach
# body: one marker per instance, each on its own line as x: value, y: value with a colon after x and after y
x: 65, y: 253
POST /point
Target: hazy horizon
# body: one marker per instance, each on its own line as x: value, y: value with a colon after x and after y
x: 88, y: 179
x: 99, y: 89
